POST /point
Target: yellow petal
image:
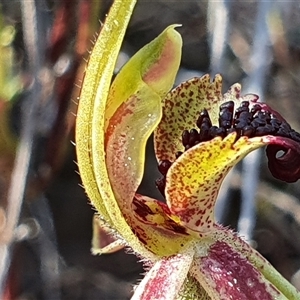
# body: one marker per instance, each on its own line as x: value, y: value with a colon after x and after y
x: 139, y: 85
x: 133, y: 111
x: 194, y: 179
x: 154, y: 66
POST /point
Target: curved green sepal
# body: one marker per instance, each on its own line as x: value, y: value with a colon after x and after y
x: 96, y: 84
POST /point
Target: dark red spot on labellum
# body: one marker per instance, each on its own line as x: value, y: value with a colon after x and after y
x: 141, y: 208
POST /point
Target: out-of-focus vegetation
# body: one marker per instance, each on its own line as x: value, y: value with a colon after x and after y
x: 45, y: 217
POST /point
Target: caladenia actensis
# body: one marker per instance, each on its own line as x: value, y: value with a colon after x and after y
x: 199, y: 135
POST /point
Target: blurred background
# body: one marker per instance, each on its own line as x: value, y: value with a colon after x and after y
x: 45, y: 216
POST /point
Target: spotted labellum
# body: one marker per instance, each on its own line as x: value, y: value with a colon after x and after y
x: 251, y: 119
x: 199, y: 135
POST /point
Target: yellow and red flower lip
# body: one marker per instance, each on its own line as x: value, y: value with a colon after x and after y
x: 193, y: 180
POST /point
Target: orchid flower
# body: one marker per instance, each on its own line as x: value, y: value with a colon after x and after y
x: 189, y: 255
